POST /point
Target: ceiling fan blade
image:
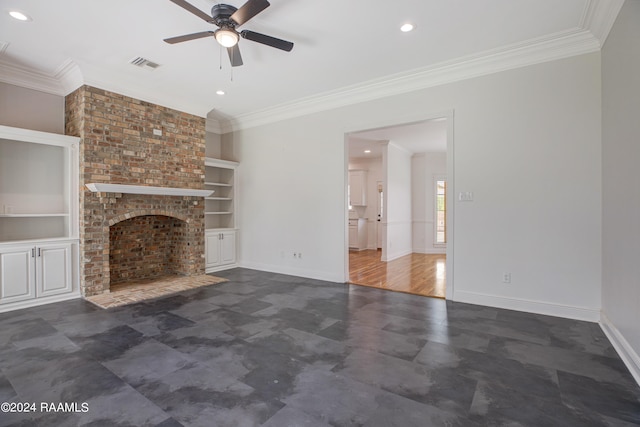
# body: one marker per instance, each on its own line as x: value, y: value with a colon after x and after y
x: 248, y: 10
x: 187, y: 37
x: 234, y: 56
x: 189, y: 7
x: 268, y: 40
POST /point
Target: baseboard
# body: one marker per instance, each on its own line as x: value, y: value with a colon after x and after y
x: 430, y: 251
x: 622, y: 346
x: 220, y: 268
x: 38, y: 301
x: 529, y: 306
x: 397, y: 255
x: 292, y: 271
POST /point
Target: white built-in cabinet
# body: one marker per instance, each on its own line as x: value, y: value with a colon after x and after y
x: 357, y: 188
x: 357, y: 233
x: 221, y: 176
x: 38, y: 218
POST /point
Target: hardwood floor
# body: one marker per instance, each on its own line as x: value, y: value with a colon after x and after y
x: 419, y: 274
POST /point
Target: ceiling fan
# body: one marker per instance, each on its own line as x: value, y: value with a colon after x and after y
x: 227, y: 18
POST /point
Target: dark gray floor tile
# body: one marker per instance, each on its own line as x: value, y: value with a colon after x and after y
x: 201, y: 395
x: 111, y: 343
x: 160, y: 322
x: 147, y: 361
x: 616, y: 400
x: 601, y: 368
x: 396, y: 411
x: 289, y: 416
x: 332, y: 398
x: 277, y: 350
x: 298, y: 319
x: 494, y: 404
x: 310, y: 348
x: 437, y: 332
x: 365, y: 337
x: 442, y: 388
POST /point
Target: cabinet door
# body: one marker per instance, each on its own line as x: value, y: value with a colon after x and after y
x: 353, y: 236
x: 17, y: 274
x: 212, y: 249
x: 357, y: 188
x: 54, y: 269
x: 228, y: 248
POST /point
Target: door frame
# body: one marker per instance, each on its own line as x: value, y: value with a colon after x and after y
x: 449, y: 116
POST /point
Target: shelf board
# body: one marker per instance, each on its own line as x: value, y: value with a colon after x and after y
x: 218, y: 198
x: 219, y: 163
x: 218, y: 213
x: 34, y: 215
x: 143, y: 189
x: 218, y: 184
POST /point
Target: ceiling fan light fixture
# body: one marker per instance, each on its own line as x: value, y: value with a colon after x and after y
x: 227, y: 37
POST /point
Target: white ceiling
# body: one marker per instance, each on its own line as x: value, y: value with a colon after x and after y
x: 428, y: 136
x: 342, y: 48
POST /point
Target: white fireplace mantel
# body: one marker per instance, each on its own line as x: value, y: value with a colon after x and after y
x: 143, y: 189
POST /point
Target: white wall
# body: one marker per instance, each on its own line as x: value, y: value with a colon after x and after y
x: 424, y: 169
x: 31, y: 109
x: 396, y: 241
x: 527, y: 143
x: 621, y: 193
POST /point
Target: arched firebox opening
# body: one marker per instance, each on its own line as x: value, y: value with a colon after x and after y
x: 148, y: 247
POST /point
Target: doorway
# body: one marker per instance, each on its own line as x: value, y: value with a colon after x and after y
x: 409, y: 224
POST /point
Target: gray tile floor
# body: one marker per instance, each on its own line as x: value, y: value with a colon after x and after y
x: 273, y: 350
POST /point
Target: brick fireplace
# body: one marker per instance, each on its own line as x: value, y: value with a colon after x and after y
x: 135, y: 143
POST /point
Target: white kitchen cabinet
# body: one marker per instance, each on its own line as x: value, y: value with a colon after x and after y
x: 220, y: 249
x: 358, y: 233
x: 35, y: 271
x: 357, y: 188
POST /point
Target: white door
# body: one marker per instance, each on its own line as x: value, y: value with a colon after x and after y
x: 17, y: 269
x: 54, y: 269
x: 212, y: 249
x: 228, y: 247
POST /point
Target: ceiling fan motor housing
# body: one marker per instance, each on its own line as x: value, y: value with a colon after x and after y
x: 221, y: 14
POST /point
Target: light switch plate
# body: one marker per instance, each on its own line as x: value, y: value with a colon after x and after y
x: 465, y: 196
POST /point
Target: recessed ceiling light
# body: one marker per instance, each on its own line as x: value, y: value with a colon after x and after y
x: 20, y: 16
x: 367, y: 151
x: 406, y: 28
x: 220, y: 92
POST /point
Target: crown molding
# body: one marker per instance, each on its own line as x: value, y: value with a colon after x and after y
x: 30, y: 79
x: 543, y: 49
x: 594, y: 27
x: 599, y: 17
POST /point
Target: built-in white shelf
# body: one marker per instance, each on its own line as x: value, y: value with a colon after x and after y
x: 218, y: 213
x: 148, y: 190
x: 218, y: 198
x: 218, y: 184
x: 27, y: 215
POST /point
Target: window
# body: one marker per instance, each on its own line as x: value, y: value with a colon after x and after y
x: 441, y: 211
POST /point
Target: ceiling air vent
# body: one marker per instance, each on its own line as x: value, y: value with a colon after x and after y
x: 3, y: 46
x: 144, y: 63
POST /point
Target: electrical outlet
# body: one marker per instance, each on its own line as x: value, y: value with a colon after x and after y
x: 299, y: 255
x: 506, y: 277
